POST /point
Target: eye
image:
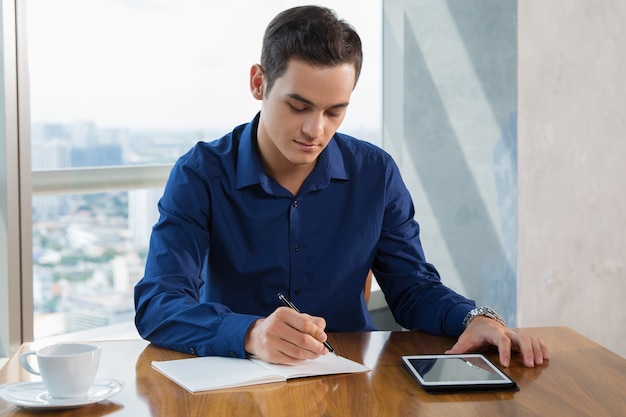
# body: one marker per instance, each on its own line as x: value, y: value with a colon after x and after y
x: 334, y: 114
x: 297, y: 109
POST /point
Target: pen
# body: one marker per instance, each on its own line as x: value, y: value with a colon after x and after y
x: 293, y: 307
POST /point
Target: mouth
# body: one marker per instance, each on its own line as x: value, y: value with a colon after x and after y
x: 306, y: 146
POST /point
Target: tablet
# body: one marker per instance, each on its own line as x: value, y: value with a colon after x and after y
x: 454, y: 373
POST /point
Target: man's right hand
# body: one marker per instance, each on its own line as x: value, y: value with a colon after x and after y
x: 286, y: 337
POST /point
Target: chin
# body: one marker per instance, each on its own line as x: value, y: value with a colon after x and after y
x: 304, y: 158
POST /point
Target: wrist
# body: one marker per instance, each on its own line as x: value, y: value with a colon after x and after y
x: 483, y: 311
x: 248, y: 341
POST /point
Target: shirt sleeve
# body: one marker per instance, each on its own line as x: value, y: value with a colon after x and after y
x: 169, y: 308
x: 412, y: 286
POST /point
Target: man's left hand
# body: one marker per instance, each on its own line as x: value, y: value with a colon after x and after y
x: 483, y: 331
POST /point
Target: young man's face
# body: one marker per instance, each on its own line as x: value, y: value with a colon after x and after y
x: 302, y: 111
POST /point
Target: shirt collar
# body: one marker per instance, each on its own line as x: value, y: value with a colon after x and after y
x: 250, y: 170
x: 249, y: 165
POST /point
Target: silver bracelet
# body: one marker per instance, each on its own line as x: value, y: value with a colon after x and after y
x: 483, y: 311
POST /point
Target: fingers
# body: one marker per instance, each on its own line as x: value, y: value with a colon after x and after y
x: 287, y: 337
x: 302, y: 331
x: 458, y: 348
x: 533, y: 350
x: 318, y: 330
x: 484, y: 332
x: 525, y: 346
x: 545, y: 352
x: 504, y: 351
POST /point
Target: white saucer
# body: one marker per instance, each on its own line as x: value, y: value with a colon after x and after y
x: 34, y: 395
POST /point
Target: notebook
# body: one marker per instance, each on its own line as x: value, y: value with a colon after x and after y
x: 216, y: 372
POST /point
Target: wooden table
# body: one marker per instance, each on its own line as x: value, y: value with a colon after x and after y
x: 581, y: 379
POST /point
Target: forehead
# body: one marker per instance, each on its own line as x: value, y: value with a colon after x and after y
x: 320, y: 85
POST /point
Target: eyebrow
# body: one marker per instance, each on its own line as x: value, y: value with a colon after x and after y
x: 298, y: 97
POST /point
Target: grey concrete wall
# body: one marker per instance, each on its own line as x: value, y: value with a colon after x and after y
x: 449, y: 117
x: 508, y: 121
x: 572, y: 167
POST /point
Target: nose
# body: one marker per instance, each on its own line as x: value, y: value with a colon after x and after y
x: 313, y: 126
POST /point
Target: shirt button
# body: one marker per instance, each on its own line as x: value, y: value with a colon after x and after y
x: 296, y: 292
x: 233, y: 354
x: 192, y: 351
x: 295, y: 204
x: 297, y: 248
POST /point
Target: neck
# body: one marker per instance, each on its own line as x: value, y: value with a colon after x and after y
x: 289, y: 175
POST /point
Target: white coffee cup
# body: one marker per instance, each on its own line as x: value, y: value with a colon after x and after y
x: 66, y: 369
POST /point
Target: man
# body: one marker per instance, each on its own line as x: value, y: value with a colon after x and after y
x: 285, y: 204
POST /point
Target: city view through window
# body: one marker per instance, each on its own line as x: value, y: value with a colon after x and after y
x: 105, y: 94
x: 89, y: 249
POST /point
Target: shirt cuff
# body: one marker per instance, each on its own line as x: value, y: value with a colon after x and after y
x: 232, y: 333
x: 454, y: 319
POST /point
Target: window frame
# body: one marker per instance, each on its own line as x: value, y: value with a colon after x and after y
x: 14, y: 201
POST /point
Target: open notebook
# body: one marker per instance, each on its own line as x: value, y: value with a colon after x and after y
x: 215, y: 372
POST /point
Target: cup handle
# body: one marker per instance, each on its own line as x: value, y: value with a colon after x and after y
x: 25, y: 364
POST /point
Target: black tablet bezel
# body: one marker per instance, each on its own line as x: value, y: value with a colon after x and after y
x: 504, y: 384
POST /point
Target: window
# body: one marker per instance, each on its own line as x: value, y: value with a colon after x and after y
x: 117, y: 91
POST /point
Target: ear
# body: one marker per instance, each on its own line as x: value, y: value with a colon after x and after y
x: 256, y: 81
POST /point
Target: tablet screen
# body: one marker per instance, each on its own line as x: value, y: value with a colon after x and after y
x: 455, y: 372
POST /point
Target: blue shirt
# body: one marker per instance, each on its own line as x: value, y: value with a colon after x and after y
x: 230, y: 238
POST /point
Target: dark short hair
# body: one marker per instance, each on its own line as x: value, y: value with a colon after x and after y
x: 313, y: 34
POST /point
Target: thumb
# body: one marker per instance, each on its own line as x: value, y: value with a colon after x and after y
x: 458, y: 347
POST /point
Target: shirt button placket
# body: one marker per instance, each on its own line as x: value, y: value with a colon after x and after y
x: 295, y: 235
x: 295, y: 205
